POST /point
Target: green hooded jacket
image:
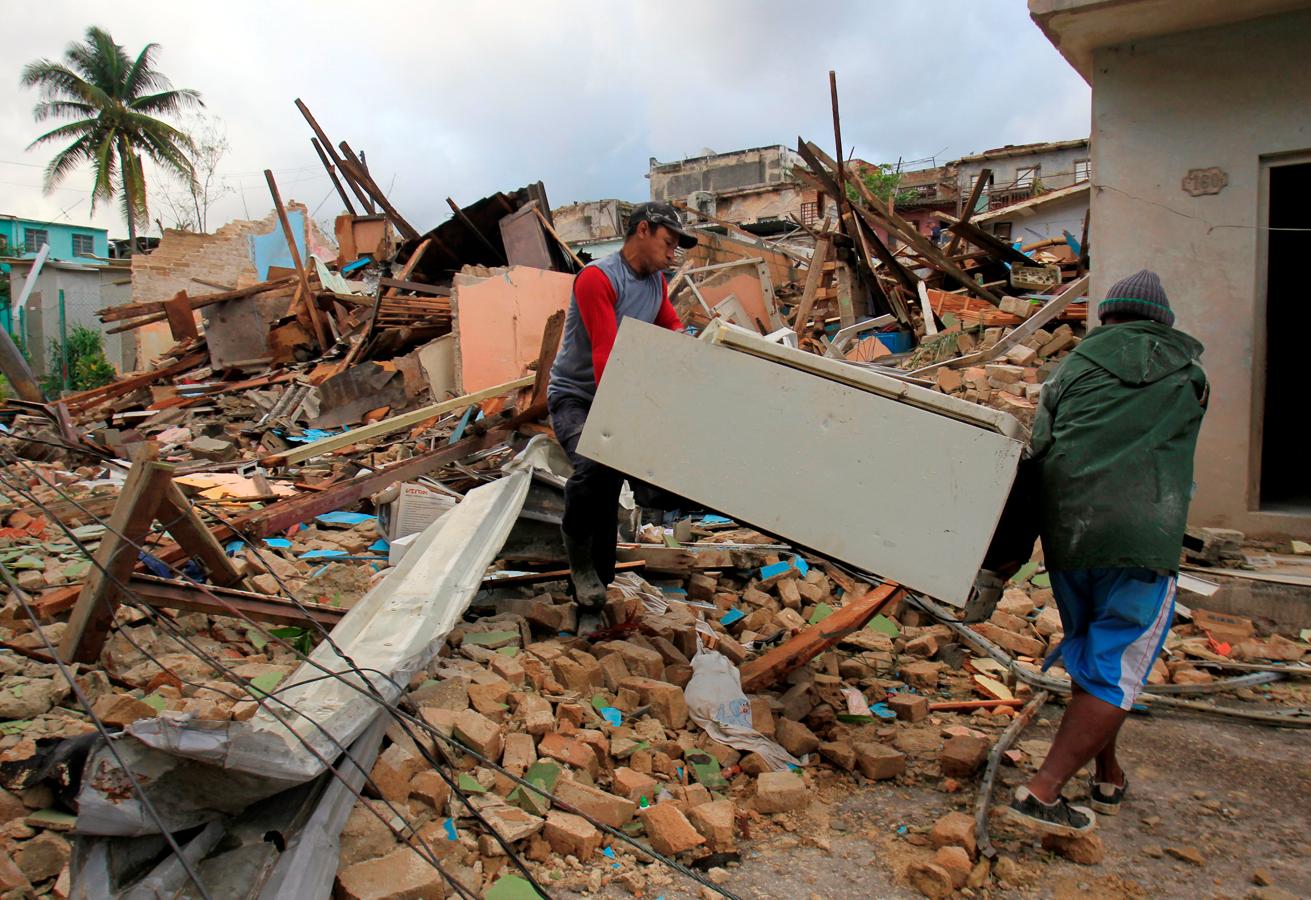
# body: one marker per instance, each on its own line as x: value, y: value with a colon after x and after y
x: 1113, y: 448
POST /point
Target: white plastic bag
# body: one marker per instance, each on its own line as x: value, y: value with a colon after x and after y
x: 716, y: 703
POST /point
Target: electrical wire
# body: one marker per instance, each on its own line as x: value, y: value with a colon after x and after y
x: 258, y: 697
x: 99, y: 724
x: 406, y: 720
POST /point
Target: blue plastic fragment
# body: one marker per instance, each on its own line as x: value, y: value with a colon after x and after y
x: 612, y: 715
x: 609, y: 851
x: 451, y: 833
x: 801, y: 566
x: 321, y: 554
x: 232, y: 547
x: 381, y: 545
x: 358, y: 264
x: 902, y: 829
x: 279, y: 543
x: 773, y: 569
x: 881, y: 710
x: 309, y: 436
x: 731, y: 616
x: 344, y: 518
x: 715, y: 520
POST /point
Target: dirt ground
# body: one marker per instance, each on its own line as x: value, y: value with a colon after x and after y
x: 1234, y: 792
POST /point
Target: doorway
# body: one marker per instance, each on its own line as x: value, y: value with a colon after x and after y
x: 1285, y: 486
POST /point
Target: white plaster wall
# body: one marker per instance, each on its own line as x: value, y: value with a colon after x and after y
x: 1224, y: 97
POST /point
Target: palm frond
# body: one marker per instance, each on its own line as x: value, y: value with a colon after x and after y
x: 143, y: 76
x: 162, y: 130
x: 167, y: 101
x: 105, y: 165
x: 133, y: 199
x: 62, y: 109
x: 58, y: 82
x: 103, y: 62
x: 71, y: 129
x: 167, y: 155
x: 66, y: 161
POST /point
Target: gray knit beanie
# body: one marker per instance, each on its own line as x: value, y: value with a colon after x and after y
x: 1140, y: 295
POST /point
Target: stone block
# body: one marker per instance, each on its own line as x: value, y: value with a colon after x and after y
x: 716, y: 822
x: 600, y: 805
x: 879, y: 762
x: 909, y: 707
x: 478, y: 733
x: 571, y: 835
x: 400, y: 875
x: 778, y: 792
x: 668, y: 829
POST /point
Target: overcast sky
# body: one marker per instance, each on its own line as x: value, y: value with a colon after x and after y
x: 463, y: 99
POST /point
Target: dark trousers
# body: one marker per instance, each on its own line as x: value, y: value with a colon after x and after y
x: 591, y: 496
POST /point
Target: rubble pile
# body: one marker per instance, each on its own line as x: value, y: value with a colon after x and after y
x: 187, y: 540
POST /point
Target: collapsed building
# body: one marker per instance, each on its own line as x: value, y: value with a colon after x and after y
x: 286, y: 612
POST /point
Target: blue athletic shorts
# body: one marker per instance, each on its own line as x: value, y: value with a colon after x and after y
x: 1115, y: 624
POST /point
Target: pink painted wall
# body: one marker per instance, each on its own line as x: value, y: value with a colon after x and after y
x: 498, y: 322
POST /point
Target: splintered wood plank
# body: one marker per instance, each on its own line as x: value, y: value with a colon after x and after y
x: 181, y: 317
x: 186, y: 527
x: 88, y: 625
x: 792, y: 654
x: 819, y: 264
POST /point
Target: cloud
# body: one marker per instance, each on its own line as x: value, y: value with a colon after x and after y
x: 462, y: 99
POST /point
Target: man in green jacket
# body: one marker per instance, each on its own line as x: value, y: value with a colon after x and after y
x: 1112, y: 458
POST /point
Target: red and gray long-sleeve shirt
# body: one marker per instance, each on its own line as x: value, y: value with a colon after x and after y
x: 605, y: 292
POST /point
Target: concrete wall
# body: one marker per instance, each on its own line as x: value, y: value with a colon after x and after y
x: 58, y: 235
x: 1226, y: 97
x: 1057, y: 168
x: 1047, y: 220
x: 594, y: 220
x: 720, y: 173
x: 222, y: 257
x: 86, y: 289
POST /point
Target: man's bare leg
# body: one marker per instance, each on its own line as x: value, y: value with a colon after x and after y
x: 1088, y: 729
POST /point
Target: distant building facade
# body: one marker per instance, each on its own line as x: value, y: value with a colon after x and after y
x: 1021, y: 172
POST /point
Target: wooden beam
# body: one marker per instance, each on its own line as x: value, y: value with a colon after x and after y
x: 278, y: 517
x: 550, y: 229
x: 814, y: 275
x: 185, y: 525
x: 358, y: 172
x: 990, y: 242
x: 390, y: 425
x: 134, y: 310
x: 88, y: 626
x: 332, y: 173
x: 553, y: 575
x: 873, y: 213
x: 765, y: 670
x: 984, y: 177
x: 168, y: 593
x: 181, y: 317
x: 95, y: 396
x: 332, y: 155
x: 477, y: 232
x: 551, y: 335
x: 302, y: 274
x: 15, y: 368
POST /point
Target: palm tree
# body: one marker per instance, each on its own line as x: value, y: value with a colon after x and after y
x: 114, y: 101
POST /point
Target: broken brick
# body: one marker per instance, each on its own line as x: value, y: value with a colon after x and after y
x: 479, y: 733
x: 571, y: 835
x: 879, y: 761
x: 962, y: 756
x: 669, y: 830
x: 778, y: 792
x: 716, y: 821
x: 569, y: 751
x: 600, y: 805
x: 909, y: 707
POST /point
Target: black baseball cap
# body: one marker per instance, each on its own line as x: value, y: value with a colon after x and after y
x: 666, y: 215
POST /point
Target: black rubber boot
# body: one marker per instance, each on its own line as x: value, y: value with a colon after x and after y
x: 589, y: 592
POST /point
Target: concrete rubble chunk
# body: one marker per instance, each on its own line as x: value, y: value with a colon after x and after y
x: 43, y: 856
x: 930, y: 879
x: 956, y: 862
x: 879, y: 761
x: 1086, y: 849
x: 571, y: 835
x: 962, y: 755
x: 955, y: 829
x: 669, y: 830
x: 796, y: 738
x: 778, y: 792
x: 478, y: 733
x: 400, y: 875
x: 717, y: 823
x: 596, y: 803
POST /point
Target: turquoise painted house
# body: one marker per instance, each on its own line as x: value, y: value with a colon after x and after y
x: 80, y: 243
